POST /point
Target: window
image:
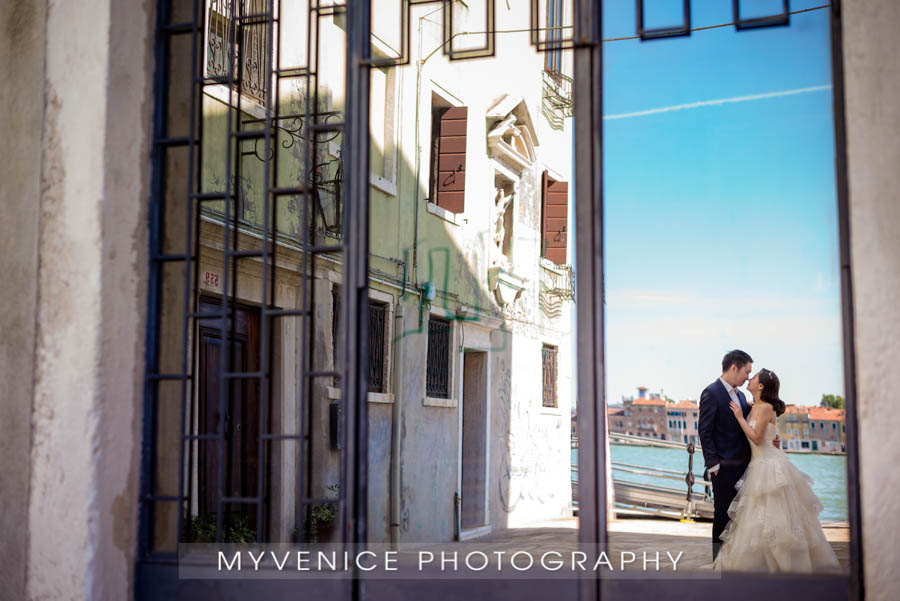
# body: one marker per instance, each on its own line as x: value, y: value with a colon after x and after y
x: 549, y: 356
x: 554, y: 219
x: 437, y: 370
x: 382, y: 116
x: 447, y: 185
x: 377, y: 313
x: 553, y: 55
x: 336, y: 332
x: 238, y: 45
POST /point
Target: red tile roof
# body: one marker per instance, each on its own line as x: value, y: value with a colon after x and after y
x: 656, y: 402
x: 685, y: 405
x: 826, y: 413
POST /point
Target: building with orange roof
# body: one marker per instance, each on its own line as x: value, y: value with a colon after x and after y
x: 812, y: 429
x: 828, y: 430
x: 644, y: 416
x: 681, y: 421
x: 793, y: 429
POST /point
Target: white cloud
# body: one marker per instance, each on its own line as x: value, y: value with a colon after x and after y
x: 716, y: 102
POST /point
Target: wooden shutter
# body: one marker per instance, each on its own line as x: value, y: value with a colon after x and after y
x: 450, y: 183
x: 554, y: 219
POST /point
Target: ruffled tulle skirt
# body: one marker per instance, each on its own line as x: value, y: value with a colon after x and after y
x: 774, y: 523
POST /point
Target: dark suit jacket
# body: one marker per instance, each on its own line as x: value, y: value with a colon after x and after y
x: 721, y: 436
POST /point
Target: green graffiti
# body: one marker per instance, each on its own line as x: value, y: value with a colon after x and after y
x: 425, y: 304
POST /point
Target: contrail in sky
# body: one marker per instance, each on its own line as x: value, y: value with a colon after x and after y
x: 693, y: 105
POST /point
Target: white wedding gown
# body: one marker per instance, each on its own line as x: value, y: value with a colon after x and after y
x: 774, y: 523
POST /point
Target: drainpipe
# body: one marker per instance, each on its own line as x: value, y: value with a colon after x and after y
x: 395, y: 428
x: 418, y: 169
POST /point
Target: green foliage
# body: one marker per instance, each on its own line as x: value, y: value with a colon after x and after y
x: 202, y: 529
x: 322, y: 514
x: 835, y: 401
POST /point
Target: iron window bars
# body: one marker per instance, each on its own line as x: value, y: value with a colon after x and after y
x: 550, y: 362
x: 437, y: 376
x: 235, y: 48
x: 377, y: 313
x: 236, y: 37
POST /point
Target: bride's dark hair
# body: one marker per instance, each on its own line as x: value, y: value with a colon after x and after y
x: 769, y: 393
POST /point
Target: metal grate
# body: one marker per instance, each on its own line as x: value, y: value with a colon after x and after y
x: 300, y: 200
x: 238, y: 42
x: 377, y: 313
x: 437, y: 372
x: 336, y: 331
x: 555, y: 34
x: 549, y: 356
x: 222, y: 414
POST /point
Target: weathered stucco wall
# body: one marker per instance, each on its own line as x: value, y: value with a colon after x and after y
x: 77, y: 112
x: 21, y: 93
x: 872, y: 76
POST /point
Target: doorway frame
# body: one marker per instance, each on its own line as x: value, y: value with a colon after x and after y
x: 487, y: 527
x: 157, y: 575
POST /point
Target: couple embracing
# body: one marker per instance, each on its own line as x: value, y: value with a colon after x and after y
x: 766, y: 514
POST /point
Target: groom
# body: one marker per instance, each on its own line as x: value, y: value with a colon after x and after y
x: 726, y: 451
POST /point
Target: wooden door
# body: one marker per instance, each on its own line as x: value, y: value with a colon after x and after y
x: 241, y: 423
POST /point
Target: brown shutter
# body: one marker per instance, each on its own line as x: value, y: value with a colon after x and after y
x: 451, y: 170
x: 554, y: 219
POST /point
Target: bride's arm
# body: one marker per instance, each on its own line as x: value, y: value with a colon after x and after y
x: 763, y: 415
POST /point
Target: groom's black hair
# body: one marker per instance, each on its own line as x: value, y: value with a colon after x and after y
x: 735, y: 357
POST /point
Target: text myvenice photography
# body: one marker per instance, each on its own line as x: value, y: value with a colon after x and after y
x: 424, y: 561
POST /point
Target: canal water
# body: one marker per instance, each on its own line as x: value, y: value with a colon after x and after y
x: 829, y: 473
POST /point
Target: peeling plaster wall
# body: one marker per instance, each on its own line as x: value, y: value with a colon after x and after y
x: 428, y: 447
x: 872, y: 76
x: 21, y: 90
x: 78, y: 91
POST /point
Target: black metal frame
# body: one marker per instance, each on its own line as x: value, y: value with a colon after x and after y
x: 664, y: 32
x: 591, y: 362
x: 156, y: 573
x: 156, y: 577
x: 784, y: 18
x: 437, y: 368
x: 487, y: 50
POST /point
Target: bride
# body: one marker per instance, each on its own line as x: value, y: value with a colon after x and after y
x: 774, y: 523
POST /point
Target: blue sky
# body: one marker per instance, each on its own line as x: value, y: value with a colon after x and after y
x: 720, y: 217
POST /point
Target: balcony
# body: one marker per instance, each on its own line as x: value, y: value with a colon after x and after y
x: 556, y: 102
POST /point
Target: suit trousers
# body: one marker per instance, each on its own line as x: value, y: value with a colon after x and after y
x: 723, y: 494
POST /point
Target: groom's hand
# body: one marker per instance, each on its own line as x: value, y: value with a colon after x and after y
x: 776, y: 442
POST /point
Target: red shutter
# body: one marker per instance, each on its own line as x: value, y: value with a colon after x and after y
x: 554, y: 220
x: 451, y: 170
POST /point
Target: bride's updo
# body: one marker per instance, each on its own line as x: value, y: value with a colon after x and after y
x: 769, y: 393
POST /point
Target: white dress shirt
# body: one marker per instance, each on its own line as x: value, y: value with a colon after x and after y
x: 732, y: 392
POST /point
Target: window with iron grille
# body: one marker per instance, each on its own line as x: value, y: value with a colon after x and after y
x: 377, y: 312
x: 549, y: 359
x: 553, y: 54
x: 437, y: 371
x: 236, y: 42
x: 336, y: 332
